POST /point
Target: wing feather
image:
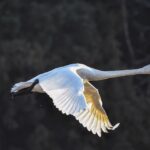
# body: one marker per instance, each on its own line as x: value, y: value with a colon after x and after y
x: 66, y: 89
x: 82, y: 100
x: 94, y: 118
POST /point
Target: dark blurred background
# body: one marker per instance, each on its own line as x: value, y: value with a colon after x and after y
x: 39, y: 35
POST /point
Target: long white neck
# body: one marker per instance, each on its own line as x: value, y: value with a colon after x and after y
x: 95, y: 74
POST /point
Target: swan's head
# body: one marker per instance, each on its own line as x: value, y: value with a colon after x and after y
x: 146, y: 69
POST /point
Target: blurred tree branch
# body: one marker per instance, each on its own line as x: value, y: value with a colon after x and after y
x: 126, y: 29
x: 145, y: 3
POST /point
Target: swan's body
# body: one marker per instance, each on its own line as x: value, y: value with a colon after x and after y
x: 73, y: 94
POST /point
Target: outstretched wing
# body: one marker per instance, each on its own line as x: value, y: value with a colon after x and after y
x: 94, y: 118
x: 66, y: 90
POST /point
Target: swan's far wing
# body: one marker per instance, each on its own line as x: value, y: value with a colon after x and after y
x: 94, y: 118
x: 66, y: 90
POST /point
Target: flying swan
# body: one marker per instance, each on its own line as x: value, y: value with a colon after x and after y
x: 73, y: 94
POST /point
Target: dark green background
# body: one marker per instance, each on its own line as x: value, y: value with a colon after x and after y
x: 39, y: 35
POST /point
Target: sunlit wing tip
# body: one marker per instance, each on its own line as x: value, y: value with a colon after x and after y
x: 94, y: 118
x: 95, y: 123
x: 115, y: 126
x: 99, y: 134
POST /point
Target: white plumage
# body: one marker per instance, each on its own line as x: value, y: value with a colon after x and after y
x: 73, y: 94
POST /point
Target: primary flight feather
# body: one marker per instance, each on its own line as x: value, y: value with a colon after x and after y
x: 73, y: 94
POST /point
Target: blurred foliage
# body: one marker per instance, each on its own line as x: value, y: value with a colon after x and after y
x: 36, y: 36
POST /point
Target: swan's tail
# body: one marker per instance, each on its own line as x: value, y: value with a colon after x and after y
x: 20, y: 86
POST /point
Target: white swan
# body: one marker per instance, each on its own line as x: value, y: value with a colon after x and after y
x: 73, y: 94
